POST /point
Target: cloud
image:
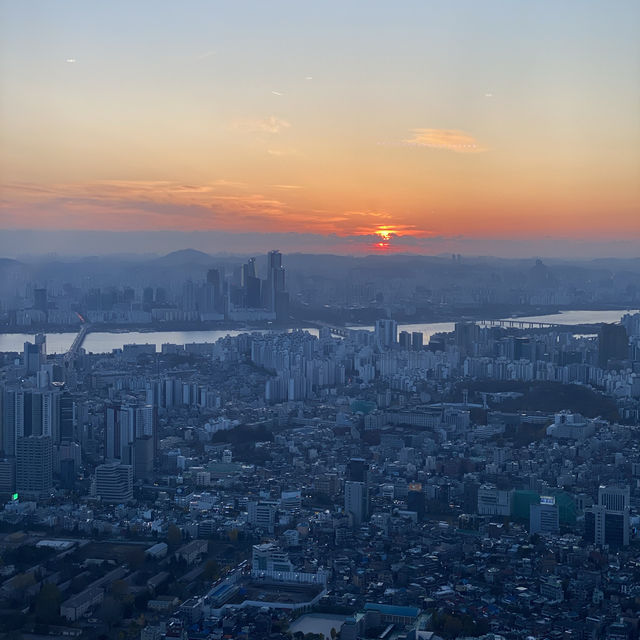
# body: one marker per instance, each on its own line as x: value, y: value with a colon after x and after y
x: 262, y: 125
x: 281, y: 152
x: 447, y: 139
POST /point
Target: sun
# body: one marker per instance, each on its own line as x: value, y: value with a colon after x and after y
x: 385, y: 233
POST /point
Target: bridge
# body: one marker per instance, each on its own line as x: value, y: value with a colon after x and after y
x: 343, y: 332
x: 519, y: 324
x: 77, y: 343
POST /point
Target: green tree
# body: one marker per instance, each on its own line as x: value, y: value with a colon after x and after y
x: 120, y: 590
x: 211, y: 569
x: 135, y: 557
x: 174, y: 536
x: 110, y: 611
x: 47, y: 605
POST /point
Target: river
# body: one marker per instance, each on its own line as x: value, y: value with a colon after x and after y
x: 105, y: 342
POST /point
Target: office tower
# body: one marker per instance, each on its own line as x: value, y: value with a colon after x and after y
x: 35, y: 354
x: 416, y: 500
x: 356, y: 501
x: 123, y: 424
x: 66, y: 416
x: 34, y: 465
x: 40, y: 299
x: 114, y: 482
x: 68, y: 473
x: 417, y: 339
x: 358, y: 470
x: 215, y: 279
x: 251, y: 286
x: 112, y: 435
x: 147, y: 297
x: 7, y: 475
x: 613, y: 344
x: 275, y: 297
x: 143, y: 458
x: 262, y: 514
x: 386, y: 332
x: 404, y: 339
x: 545, y: 516
x: 466, y: 333
x: 608, y: 523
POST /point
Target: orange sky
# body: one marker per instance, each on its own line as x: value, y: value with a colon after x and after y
x: 427, y: 120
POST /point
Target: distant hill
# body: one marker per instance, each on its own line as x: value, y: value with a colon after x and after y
x: 183, y: 257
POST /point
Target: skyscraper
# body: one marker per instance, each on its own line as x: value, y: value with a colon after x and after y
x: 386, y: 332
x: 34, y: 465
x: 608, y: 523
x: 356, y: 501
x: 613, y: 344
x: 114, y: 482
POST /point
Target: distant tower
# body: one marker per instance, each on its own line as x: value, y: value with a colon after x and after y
x: 613, y: 344
x: 386, y: 332
x: 34, y: 466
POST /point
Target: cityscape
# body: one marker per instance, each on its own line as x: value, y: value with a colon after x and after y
x: 320, y: 320
x: 482, y: 481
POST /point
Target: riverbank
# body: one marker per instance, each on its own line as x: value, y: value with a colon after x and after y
x: 433, y: 316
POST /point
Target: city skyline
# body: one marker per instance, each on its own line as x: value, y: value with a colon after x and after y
x: 487, y: 128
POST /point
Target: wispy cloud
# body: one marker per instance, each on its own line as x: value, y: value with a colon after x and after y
x: 270, y: 124
x: 446, y: 139
x: 204, y: 56
x: 281, y: 152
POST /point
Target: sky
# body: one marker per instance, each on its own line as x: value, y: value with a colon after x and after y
x: 353, y: 126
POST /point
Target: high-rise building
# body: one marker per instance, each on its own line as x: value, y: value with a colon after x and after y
x: 262, y: 514
x: 7, y: 476
x: 466, y: 333
x: 608, y: 523
x: 35, y: 354
x: 358, y: 470
x: 386, y: 332
x: 613, y: 344
x: 34, y: 460
x: 40, y: 299
x: 545, y: 516
x: 275, y: 297
x: 404, y: 339
x: 114, y: 482
x: 356, y: 501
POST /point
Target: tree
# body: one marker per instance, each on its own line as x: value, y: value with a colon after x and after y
x: 47, y: 606
x: 174, y: 536
x: 110, y: 611
x: 211, y: 569
x: 120, y: 590
x: 135, y: 557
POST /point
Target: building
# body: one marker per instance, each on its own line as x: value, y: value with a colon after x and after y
x: 386, y: 332
x: 613, y: 344
x: 114, y: 482
x: 262, y: 514
x: 356, y: 501
x: 34, y: 462
x: 544, y: 517
x: 493, y: 501
x: 608, y: 522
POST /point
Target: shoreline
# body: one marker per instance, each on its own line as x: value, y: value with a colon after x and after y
x: 299, y: 324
